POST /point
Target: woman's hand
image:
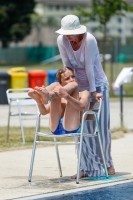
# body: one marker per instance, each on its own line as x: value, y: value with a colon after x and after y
x: 97, y: 96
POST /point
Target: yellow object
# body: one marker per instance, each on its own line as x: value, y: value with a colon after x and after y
x: 17, y: 69
x: 18, y: 77
x: 19, y: 80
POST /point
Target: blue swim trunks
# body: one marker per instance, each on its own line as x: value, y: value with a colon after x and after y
x: 60, y: 130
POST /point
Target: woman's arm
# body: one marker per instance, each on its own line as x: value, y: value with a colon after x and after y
x: 83, y: 101
x: 97, y: 96
x: 91, y: 53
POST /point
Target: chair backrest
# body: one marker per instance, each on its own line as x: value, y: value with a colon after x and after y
x: 20, y: 94
x: 94, y: 106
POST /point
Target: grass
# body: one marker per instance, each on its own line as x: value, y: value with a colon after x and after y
x: 119, y: 132
x: 15, y: 138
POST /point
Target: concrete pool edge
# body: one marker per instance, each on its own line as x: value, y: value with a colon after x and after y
x: 70, y: 191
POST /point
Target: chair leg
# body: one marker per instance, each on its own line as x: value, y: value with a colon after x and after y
x: 80, y: 147
x: 80, y: 151
x: 33, y: 149
x: 22, y: 130
x: 101, y: 149
x: 58, y: 158
x: 79, y: 160
x: 32, y: 159
x: 7, y: 134
x: 39, y: 124
x: 39, y: 121
x: 21, y: 124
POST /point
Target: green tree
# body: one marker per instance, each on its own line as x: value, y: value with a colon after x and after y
x: 15, y: 20
x: 102, y: 11
x: 39, y: 21
x: 42, y: 20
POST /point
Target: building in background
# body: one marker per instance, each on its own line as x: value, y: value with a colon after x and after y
x: 51, y: 12
x: 41, y: 43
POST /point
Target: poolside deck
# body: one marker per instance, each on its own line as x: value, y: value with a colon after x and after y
x: 14, y: 169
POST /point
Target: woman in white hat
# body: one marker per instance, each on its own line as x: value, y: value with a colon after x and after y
x: 79, y: 51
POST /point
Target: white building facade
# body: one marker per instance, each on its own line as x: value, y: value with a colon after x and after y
x: 117, y: 26
x: 51, y: 12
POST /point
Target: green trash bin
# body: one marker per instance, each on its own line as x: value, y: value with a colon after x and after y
x: 4, y: 85
x: 122, y: 58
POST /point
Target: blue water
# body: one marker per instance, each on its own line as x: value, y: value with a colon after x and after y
x: 118, y: 192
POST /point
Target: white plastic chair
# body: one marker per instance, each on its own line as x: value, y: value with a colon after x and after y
x: 19, y: 100
x: 95, y: 111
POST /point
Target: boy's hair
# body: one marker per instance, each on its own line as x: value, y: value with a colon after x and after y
x: 62, y: 71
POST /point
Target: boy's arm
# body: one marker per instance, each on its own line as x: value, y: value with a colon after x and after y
x: 80, y: 104
x: 83, y: 101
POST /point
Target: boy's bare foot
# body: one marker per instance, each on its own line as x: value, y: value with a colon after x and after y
x: 111, y: 170
x: 43, y: 93
x: 35, y: 96
x: 81, y: 175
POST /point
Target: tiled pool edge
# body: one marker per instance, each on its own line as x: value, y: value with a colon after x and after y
x: 70, y: 191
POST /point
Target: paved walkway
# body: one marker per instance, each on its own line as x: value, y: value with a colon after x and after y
x: 14, y: 165
x: 14, y: 169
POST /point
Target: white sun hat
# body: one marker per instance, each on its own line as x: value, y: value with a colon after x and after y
x: 70, y: 25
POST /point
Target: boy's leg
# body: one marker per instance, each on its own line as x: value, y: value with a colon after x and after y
x: 55, y: 108
x: 35, y: 96
x: 48, y: 91
x: 71, y: 120
x: 55, y: 113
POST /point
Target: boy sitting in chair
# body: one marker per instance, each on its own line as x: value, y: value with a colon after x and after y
x: 66, y: 105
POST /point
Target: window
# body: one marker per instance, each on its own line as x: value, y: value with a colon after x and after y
x: 64, y: 7
x: 119, y: 19
x: 72, y: 7
x: 57, y: 7
x: 119, y: 30
x: 93, y: 29
x: 93, y: 19
x: 50, y: 7
x: 131, y: 19
x: 107, y: 30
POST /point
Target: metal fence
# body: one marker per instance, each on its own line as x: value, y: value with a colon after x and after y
x: 27, y: 54
x: 38, y: 54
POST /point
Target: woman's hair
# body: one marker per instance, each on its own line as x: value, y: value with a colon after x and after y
x: 62, y: 71
x: 79, y: 36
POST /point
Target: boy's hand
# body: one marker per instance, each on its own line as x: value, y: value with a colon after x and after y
x: 59, y: 91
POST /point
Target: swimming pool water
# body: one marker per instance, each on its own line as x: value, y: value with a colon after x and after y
x: 117, y: 192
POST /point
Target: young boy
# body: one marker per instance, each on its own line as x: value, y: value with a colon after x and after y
x: 66, y: 105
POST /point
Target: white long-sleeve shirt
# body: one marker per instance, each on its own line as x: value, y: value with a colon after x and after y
x: 85, y: 62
